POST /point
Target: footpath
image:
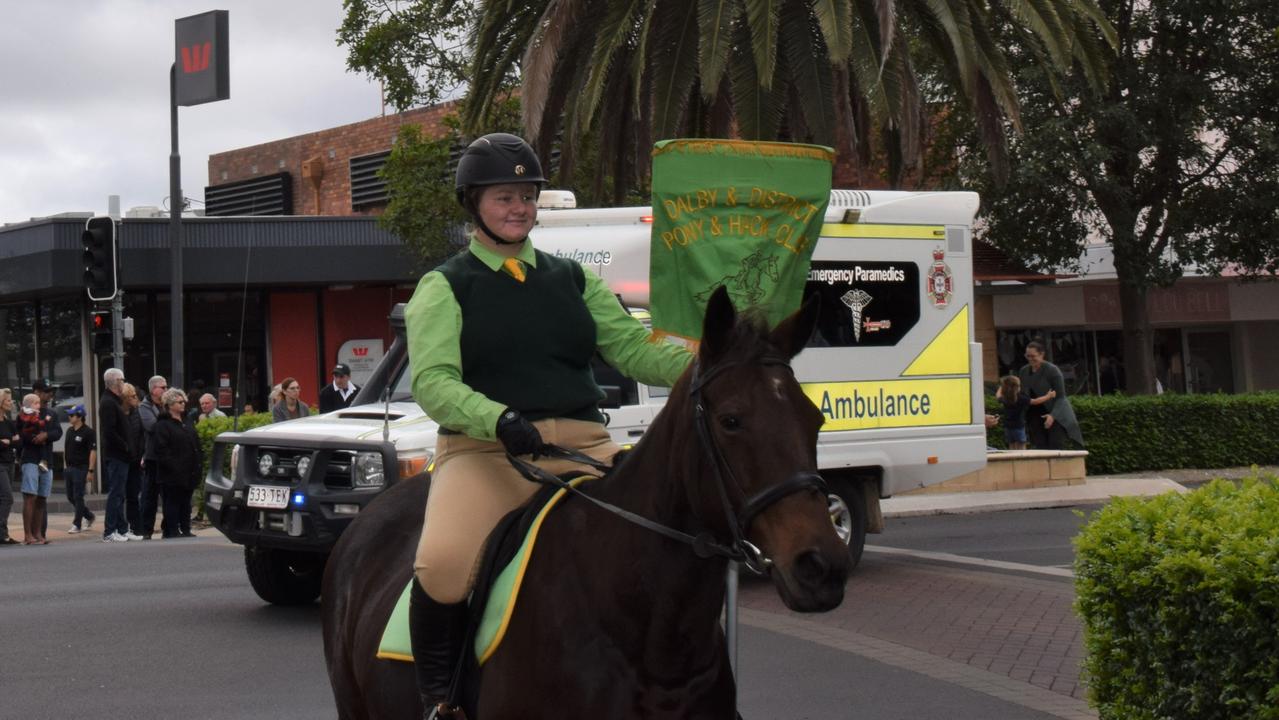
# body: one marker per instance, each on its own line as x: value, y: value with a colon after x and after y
x: 1094, y: 491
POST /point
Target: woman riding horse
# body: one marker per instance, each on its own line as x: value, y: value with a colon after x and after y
x: 501, y: 338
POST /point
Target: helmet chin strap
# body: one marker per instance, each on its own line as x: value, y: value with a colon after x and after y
x: 492, y: 235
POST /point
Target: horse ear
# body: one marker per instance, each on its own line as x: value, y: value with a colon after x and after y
x: 718, y: 323
x: 792, y: 334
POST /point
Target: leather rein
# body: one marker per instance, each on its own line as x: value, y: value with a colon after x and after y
x: 704, y: 544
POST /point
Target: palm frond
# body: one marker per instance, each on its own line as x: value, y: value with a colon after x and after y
x: 809, y: 71
x: 715, y: 20
x: 612, y: 37
x: 756, y: 106
x: 538, y: 65
x: 836, y: 20
x: 673, y: 53
x: 761, y: 21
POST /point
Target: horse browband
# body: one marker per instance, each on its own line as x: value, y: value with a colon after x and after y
x: 704, y: 545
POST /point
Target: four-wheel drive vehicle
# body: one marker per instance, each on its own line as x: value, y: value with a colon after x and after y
x: 892, y: 366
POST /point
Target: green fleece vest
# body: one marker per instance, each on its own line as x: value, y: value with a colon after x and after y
x: 527, y: 345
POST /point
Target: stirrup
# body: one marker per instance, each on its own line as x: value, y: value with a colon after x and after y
x: 443, y: 711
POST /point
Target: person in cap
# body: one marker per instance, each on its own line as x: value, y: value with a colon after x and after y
x: 339, y: 393
x: 53, y: 429
x: 501, y: 338
x: 81, y: 453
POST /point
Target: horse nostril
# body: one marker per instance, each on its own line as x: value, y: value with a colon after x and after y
x: 811, y: 567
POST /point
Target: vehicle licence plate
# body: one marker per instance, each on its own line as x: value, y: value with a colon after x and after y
x: 263, y: 496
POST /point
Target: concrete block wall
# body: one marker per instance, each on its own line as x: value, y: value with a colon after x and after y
x: 1019, y: 470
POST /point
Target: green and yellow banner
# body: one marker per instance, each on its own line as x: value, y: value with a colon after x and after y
x: 742, y: 214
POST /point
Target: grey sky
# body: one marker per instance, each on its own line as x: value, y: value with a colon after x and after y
x: 84, y: 88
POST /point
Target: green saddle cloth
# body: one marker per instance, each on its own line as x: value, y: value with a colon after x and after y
x: 502, y: 595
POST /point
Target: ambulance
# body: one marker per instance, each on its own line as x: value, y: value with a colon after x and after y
x: 893, y: 364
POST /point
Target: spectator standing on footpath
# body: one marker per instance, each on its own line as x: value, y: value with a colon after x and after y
x: 177, y: 451
x: 53, y: 426
x: 80, y: 452
x: 208, y: 409
x: 1050, y: 422
x: 9, y: 442
x: 149, y: 411
x: 339, y: 393
x: 37, y: 477
x: 137, y: 448
x: 113, y: 424
x: 290, y: 406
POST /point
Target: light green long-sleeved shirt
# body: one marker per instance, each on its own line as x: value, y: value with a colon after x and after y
x: 434, y: 321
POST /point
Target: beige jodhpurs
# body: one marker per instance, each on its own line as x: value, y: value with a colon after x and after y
x: 472, y: 487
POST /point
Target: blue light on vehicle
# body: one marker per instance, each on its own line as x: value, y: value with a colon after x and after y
x: 298, y: 498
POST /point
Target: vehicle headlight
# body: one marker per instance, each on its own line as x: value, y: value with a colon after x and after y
x: 266, y: 461
x: 367, y: 470
x: 304, y: 464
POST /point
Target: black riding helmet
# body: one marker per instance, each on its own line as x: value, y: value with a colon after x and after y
x: 495, y: 159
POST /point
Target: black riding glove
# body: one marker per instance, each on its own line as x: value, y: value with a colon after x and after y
x: 518, y: 435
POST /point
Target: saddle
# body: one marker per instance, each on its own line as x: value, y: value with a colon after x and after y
x: 497, y: 587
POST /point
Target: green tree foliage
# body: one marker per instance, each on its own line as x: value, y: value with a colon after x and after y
x: 1175, y: 162
x: 423, y: 210
x: 623, y: 73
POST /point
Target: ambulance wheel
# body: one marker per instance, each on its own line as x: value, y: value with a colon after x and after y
x: 848, y: 514
x: 281, y: 577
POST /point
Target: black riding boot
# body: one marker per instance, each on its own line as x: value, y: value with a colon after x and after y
x: 436, y: 634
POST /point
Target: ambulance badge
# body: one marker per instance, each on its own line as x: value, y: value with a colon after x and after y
x: 939, y: 284
x: 856, y: 300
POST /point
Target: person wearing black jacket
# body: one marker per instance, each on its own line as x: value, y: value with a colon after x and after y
x: 177, y: 451
x: 9, y: 440
x: 137, y: 448
x: 113, y: 425
x: 338, y: 394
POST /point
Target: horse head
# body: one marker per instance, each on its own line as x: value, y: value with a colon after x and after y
x: 759, y: 436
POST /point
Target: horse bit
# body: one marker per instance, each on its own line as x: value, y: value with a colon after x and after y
x: 739, y: 549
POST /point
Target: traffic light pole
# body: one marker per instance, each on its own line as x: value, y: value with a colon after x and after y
x: 176, y: 204
x: 117, y: 330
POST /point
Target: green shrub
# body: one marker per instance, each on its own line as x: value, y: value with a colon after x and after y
x: 1179, y: 596
x: 207, y: 430
x: 1156, y: 432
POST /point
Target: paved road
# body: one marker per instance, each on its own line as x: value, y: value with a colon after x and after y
x: 940, y: 621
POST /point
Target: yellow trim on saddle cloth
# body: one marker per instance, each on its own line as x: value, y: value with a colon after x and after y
x: 506, y: 588
x: 395, y: 643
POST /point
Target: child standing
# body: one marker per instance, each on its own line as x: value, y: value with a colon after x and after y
x: 1014, y: 403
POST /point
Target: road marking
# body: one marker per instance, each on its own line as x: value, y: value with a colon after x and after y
x: 979, y: 562
x: 900, y: 656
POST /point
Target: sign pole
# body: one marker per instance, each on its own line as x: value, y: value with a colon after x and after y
x: 176, y: 204
x: 200, y: 74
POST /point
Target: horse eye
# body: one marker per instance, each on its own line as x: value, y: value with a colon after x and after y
x: 730, y: 422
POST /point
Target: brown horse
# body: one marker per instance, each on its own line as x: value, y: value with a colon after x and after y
x: 615, y: 620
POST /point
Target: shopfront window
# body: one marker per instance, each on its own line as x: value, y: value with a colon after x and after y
x: 18, y: 346
x: 58, y: 358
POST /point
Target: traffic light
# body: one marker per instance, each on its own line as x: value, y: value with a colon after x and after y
x: 101, y: 331
x: 101, y: 278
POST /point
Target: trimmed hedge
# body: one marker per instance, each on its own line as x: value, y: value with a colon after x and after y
x: 1179, y: 596
x: 207, y: 430
x: 1156, y: 432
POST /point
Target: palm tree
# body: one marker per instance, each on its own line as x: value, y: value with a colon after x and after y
x: 836, y: 72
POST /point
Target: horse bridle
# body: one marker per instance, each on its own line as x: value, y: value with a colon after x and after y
x: 739, y: 549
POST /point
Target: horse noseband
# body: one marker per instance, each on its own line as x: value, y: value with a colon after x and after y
x: 766, y: 497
